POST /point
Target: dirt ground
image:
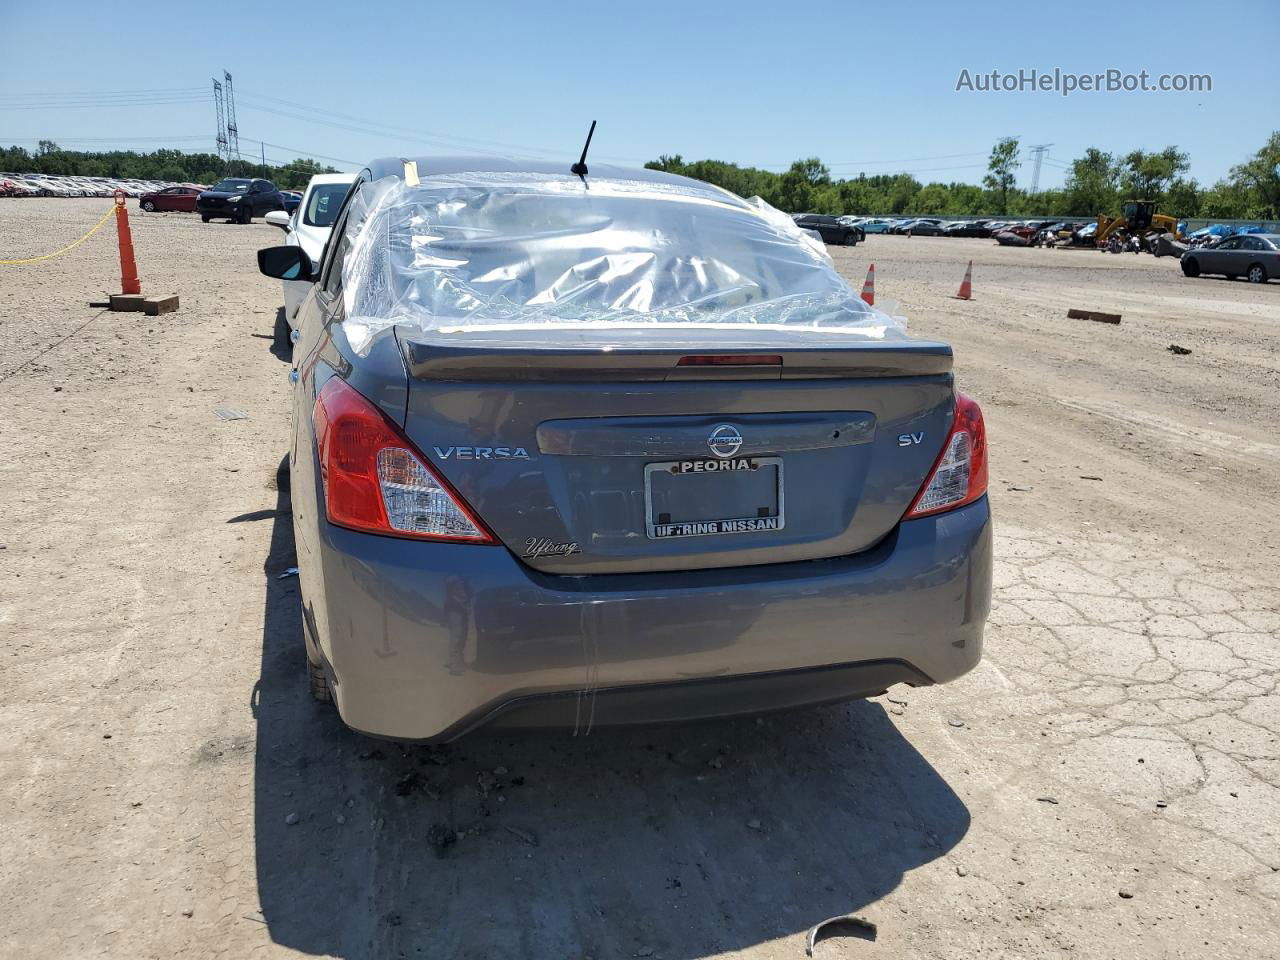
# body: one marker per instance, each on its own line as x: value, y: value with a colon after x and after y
x: 1105, y: 784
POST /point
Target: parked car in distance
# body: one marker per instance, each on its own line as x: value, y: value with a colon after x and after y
x: 876, y: 226
x: 926, y: 228
x: 495, y: 441
x: 829, y: 228
x: 309, y: 227
x: 238, y: 199
x: 969, y: 228
x: 181, y: 199
x: 1255, y: 256
x: 291, y: 200
x: 902, y: 227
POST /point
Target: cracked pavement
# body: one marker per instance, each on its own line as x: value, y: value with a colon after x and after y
x: 1105, y: 784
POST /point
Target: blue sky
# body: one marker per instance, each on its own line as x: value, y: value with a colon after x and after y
x: 864, y: 86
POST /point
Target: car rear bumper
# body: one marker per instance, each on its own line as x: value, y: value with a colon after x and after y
x: 427, y: 641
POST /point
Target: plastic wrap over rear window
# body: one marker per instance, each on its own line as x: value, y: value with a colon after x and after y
x: 492, y: 251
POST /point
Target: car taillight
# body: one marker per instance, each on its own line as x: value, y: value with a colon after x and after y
x: 960, y: 475
x: 374, y: 478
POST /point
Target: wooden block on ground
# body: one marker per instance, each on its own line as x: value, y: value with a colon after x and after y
x: 131, y: 302
x: 157, y: 305
x: 1075, y: 314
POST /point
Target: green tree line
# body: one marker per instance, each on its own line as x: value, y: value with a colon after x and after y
x: 1097, y: 182
x: 174, y: 165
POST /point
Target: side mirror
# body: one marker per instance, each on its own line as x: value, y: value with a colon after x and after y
x: 278, y: 218
x: 286, y: 263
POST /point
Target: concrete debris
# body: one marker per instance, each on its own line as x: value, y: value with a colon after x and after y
x: 1095, y: 315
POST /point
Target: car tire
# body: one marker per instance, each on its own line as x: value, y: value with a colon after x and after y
x: 1257, y: 273
x: 148, y: 206
x: 246, y: 215
x: 1190, y: 267
x: 204, y: 218
x: 319, y: 683
x: 317, y: 679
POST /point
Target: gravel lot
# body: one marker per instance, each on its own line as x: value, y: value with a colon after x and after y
x: 1105, y: 784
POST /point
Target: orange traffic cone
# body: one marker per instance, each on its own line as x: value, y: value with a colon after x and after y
x: 869, y: 287
x: 966, y: 285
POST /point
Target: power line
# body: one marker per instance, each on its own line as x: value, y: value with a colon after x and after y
x: 858, y: 163
x: 101, y: 104
x: 312, y: 154
x: 175, y: 139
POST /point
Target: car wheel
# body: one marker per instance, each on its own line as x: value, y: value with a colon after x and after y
x: 1190, y: 268
x: 204, y: 219
x: 148, y: 206
x: 317, y: 679
x: 246, y: 215
x: 319, y: 682
x: 1257, y: 273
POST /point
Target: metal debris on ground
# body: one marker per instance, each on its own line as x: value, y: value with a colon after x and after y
x: 1089, y: 476
x: 846, y: 926
x: 1053, y: 800
x: 231, y: 413
x: 956, y: 723
x: 1020, y: 487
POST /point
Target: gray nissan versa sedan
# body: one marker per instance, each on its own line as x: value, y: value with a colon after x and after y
x: 615, y: 447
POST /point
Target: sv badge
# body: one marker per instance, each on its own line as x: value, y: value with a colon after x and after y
x: 910, y: 439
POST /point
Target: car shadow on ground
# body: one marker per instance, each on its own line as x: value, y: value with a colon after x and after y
x: 675, y: 842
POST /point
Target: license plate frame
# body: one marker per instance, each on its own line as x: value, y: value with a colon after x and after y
x: 716, y: 526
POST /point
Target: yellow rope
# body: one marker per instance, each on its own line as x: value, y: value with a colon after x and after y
x: 69, y: 246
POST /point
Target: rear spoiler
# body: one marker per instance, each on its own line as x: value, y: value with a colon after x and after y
x: 544, y: 362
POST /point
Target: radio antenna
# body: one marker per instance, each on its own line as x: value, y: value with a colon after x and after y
x: 580, y: 168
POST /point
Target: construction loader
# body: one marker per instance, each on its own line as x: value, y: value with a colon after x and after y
x: 1138, y: 219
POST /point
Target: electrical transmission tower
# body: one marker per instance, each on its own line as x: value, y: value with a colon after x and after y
x: 222, y: 148
x: 1038, y: 150
x: 233, y: 132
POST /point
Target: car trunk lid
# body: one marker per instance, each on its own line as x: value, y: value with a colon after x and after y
x: 609, y: 454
